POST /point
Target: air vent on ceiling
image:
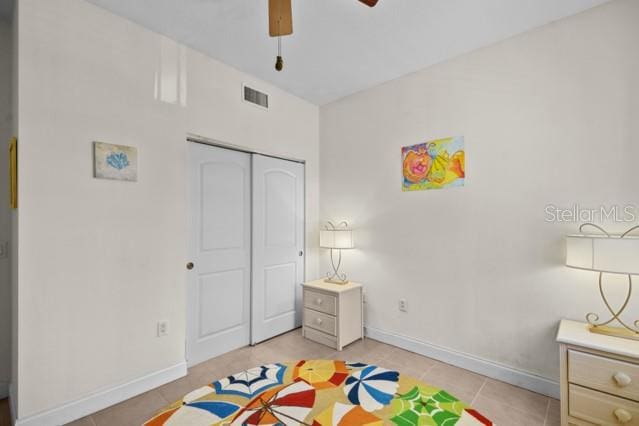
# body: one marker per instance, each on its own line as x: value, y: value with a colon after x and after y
x: 255, y: 97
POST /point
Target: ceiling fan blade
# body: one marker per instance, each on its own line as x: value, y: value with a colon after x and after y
x: 280, y: 19
x: 369, y: 3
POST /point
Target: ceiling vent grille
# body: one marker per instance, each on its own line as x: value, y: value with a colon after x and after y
x: 255, y: 97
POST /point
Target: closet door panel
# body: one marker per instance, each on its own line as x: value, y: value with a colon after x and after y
x: 278, y: 246
x: 218, y: 286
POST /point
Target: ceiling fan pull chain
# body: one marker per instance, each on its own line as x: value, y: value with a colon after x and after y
x: 279, y: 62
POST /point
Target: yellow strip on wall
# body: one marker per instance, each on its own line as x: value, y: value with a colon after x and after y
x: 13, y: 173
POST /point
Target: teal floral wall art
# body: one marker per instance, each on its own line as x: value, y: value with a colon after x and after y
x: 117, y: 162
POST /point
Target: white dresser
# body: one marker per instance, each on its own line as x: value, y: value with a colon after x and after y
x: 599, y: 377
x: 333, y: 313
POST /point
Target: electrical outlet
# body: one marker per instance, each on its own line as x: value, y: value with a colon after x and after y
x: 4, y: 249
x: 402, y: 305
x: 163, y: 328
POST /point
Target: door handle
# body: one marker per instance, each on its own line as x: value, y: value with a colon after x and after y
x: 301, y: 253
x: 189, y: 266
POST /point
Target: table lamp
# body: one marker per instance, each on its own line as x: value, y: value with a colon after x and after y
x: 607, y: 254
x: 338, y: 238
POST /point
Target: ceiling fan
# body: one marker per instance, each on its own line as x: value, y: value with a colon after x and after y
x: 280, y: 23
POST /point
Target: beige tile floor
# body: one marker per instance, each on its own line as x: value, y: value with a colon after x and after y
x: 504, y: 404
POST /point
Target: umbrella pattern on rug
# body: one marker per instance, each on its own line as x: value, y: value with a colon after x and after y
x: 319, y: 393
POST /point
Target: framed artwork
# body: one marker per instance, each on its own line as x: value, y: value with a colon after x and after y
x: 13, y: 173
x: 117, y: 162
x: 433, y: 165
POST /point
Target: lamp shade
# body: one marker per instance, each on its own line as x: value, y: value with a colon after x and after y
x: 336, y: 238
x: 603, y: 254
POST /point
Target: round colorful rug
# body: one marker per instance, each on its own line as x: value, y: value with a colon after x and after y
x: 318, y: 393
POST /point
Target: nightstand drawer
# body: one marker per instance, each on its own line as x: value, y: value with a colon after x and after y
x: 320, y: 302
x: 602, y: 409
x: 320, y: 337
x: 320, y: 321
x: 604, y: 374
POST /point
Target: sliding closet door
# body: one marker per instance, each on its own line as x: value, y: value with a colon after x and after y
x: 278, y: 246
x: 218, y: 294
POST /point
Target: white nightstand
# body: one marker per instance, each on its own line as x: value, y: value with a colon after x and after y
x: 333, y: 313
x: 599, y: 377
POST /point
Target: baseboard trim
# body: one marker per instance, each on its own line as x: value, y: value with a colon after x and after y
x: 102, y: 399
x: 4, y: 390
x: 466, y: 361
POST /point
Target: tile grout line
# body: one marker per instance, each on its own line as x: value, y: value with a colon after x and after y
x: 421, y: 378
x: 472, y: 403
x: 160, y: 393
x: 506, y: 404
x: 547, y: 413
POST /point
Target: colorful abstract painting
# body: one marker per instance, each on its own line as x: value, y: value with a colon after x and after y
x: 320, y: 392
x: 117, y: 162
x: 434, y: 165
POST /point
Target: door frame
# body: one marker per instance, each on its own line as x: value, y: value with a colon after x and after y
x: 191, y: 137
x: 194, y: 138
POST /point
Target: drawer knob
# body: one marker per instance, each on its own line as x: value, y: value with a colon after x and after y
x: 622, y: 379
x: 622, y: 415
x: 319, y: 321
x: 318, y: 301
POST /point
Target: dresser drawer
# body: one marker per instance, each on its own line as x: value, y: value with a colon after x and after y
x: 600, y: 408
x: 320, y: 302
x: 604, y: 374
x: 320, y: 321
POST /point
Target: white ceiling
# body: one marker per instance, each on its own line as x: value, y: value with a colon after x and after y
x: 341, y: 46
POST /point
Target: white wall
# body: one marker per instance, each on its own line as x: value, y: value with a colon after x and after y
x: 100, y: 262
x: 550, y: 116
x: 5, y: 213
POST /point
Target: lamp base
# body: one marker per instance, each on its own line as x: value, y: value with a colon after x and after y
x: 614, y: 331
x: 336, y: 281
